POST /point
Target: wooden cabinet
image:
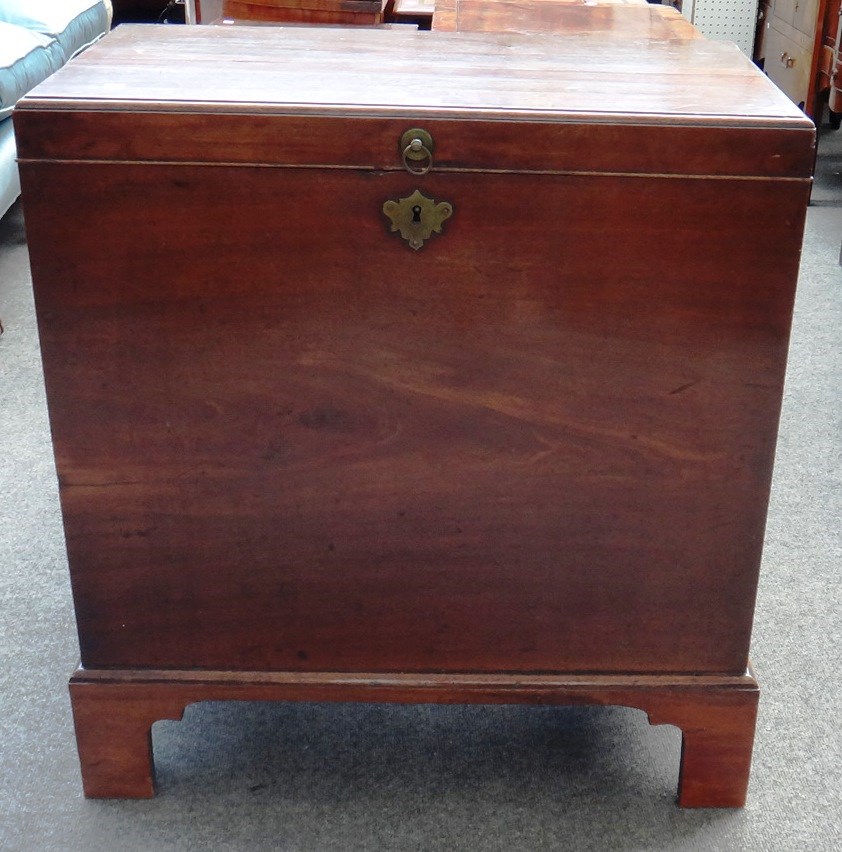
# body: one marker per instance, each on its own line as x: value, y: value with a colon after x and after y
x: 622, y: 20
x: 789, y: 55
x: 458, y: 382
x: 792, y: 45
x: 358, y: 12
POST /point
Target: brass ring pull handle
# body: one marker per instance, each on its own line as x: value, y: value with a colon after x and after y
x: 416, y: 147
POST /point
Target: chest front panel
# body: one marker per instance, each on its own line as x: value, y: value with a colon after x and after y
x: 286, y: 440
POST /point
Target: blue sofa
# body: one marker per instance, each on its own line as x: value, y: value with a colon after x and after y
x: 36, y: 38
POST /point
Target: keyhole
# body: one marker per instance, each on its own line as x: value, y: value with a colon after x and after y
x: 416, y: 214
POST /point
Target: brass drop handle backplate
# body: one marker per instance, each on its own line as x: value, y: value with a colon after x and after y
x: 416, y: 147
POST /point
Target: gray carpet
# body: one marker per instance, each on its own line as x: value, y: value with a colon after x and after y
x: 336, y: 777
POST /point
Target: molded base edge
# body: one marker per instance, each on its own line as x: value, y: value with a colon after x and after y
x: 114, y: 711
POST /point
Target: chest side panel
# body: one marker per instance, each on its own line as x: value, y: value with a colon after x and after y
x: 285, y: 440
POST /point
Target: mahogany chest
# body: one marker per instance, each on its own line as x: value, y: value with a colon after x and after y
x: 413, y: 367
x: 341, y: 12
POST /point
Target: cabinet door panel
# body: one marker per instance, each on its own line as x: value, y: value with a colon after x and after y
x: 788, y: 65
x: 805, y: 16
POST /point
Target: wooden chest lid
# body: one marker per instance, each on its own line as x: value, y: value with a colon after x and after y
x: 537, y: 84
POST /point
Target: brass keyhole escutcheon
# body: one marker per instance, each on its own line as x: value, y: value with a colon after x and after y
x: 417, y: 217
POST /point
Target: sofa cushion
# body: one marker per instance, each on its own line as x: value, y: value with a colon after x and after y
x: 74, y: 24
x: 26, y: 58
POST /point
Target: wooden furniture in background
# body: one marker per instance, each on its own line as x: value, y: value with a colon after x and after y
x: 419, y: 12
x: 299, y: 460
x: 792, y: 49
x: 830, y: 65
x: 621, y: 19
x: 356, y: 12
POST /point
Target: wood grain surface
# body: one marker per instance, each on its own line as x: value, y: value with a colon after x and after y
x: 361, y: 12
x: 362, y: 71
x: 114, y: 712
x: 542, y: 443
x: 372, y: 144
x: 623, y: 21
x: 529, y: 462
